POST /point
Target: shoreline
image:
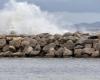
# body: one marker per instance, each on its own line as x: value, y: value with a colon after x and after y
x: 45, y: 45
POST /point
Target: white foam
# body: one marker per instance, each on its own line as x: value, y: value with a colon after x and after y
x: 25, y: 18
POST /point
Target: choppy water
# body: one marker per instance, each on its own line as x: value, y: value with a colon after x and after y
x: 49, y: 69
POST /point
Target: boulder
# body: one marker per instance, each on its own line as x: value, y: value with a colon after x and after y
x: 2, y: 43
x: 25, y: 43
x: 5, y: 48
x: 12, y: 48
x: 67, y: 34
x: 96, y: 54
x: 88, y: 45
x: 38, y: 47
x: 50, y: 53
x: 44, y: 35
x: 96, y: 46
x: 18, y: 54
x: 88, y: 51
x: 6, y: 54
x: 42, y: 42
x: 67, y: 52
x: 34, y: 53
x: 47, y: 47
x: 78, y: 46
x: 59, y: 52
x: 69, y: 44
x: 16, y: 42
x: 78, y: 52
x: 28, y: 50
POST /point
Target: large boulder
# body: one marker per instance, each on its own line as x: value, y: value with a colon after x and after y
x: 42, y: 42
x: 88, y: 45
x: 25, y: 43
x: 37, y: 47
x: 2, y: 43
x: 6, y: 54
x: 67, y: 34
x: 16, y: 42
x: 78, y: 52
x: 96, y: 46
x: 28, y: 49
x: 18, y: 54
x: 88, y: 51
x: 67, y: 52
x: 12, y: 48
x: 5, y: 48
x: 96, y: 54
x: 29, y: 52
x: 69, y: 44
x: 59, y: 52
x: 47, y: 47
x: 51, y: 52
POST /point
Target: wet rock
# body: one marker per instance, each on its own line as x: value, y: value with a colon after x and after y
x: 2, y: 42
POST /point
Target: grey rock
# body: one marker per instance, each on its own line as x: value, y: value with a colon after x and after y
x: 96, y: 54
x: 67, y: 52
x: 78, y: 52
x: 88, y: 51
x: 59, y: 52
x: 50, y: 53
x: 47, y: 47
x: 2, y: 42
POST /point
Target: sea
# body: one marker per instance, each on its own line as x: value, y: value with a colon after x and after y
x: 49, y: 69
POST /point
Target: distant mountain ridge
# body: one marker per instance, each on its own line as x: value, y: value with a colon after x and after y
x: 88, y: 26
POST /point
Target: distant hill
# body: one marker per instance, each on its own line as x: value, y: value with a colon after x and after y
x: 88, y: 26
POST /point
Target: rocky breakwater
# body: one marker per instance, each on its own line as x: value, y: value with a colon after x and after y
x: 47, y: 45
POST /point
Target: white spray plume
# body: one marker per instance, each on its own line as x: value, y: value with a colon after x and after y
x: 25, y: 18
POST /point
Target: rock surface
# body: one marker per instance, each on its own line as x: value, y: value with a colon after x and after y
x: 47, y: 45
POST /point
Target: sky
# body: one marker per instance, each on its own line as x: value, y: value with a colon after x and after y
x: 72, y: 11
x: 65, y: 5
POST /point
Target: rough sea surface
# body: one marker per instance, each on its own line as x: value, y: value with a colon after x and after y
x: 49, y: 69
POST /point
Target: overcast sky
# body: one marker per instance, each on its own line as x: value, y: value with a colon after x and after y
x: 65, y: 5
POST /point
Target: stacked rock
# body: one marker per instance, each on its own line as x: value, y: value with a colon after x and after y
x: 46, y: 45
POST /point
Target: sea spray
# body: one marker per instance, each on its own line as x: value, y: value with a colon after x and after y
x: 25, y: 18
